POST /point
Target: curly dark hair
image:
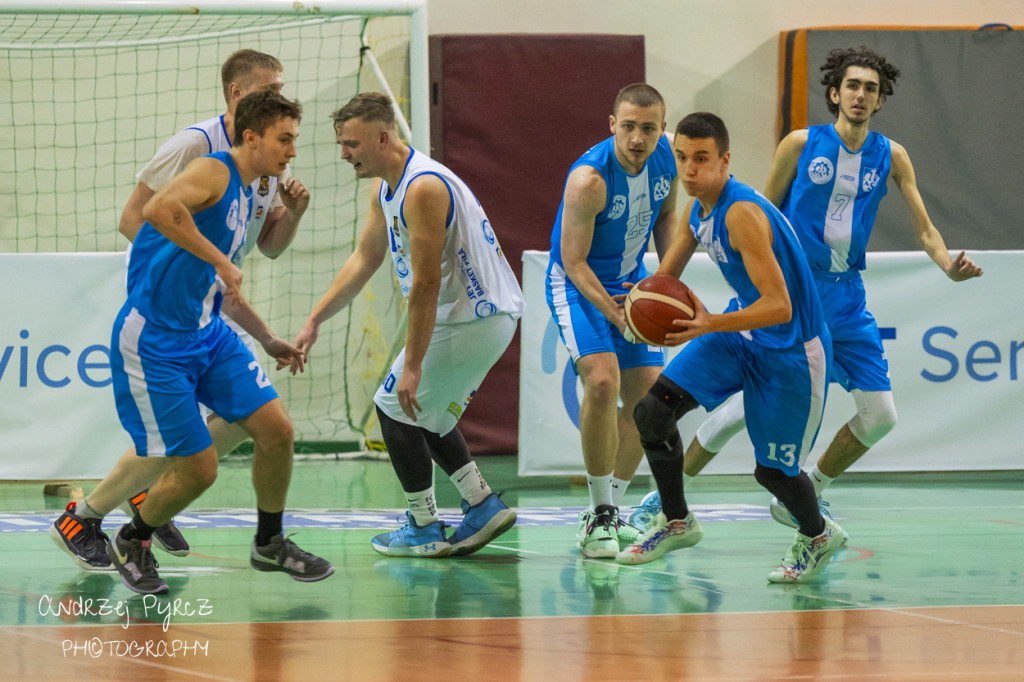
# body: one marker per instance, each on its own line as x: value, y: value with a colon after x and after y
x: 841, y: 59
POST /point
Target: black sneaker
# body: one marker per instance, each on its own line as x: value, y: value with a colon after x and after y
x: 284, y: 555
x: 134, y: 561
x: 167, y: 537
x: 82, y: 539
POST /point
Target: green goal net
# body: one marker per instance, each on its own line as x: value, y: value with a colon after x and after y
x: 90, y: 92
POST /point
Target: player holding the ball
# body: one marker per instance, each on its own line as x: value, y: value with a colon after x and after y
x: 616, y: 195
x: 829, y: 180
x: 771, y: 343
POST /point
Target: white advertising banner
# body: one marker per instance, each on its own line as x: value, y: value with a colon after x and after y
x: 955, y: 350
x: 58, y: 419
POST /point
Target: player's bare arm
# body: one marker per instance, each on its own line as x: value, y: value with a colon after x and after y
x: 283, y: 222
x: 750, y: 234
x: 958, y: 269
x: 172, y: 157
x: 427, y: 203
x: 287, y: 355
x: 681, y: 248
x: 131, y: 216
x: 585, y: 197
x: 666, y: 224
x: 199, y: 186
x: 784, y: 165
x: 353, y: 275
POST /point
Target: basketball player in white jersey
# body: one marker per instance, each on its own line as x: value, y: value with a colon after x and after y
x: 464, y: 303
x: 278, y: 206
x: 828, y: 180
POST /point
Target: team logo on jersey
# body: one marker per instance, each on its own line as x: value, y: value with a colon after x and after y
x: 618, y: 207
x: 871, y: 179
x: 454, y: 410
x: 488, y: 232
x: 237, y: 217
x: 264, y: 189
x: 662, y: 186
x: 820, y: 170
x: 401, y: 267
x: 485, y: 309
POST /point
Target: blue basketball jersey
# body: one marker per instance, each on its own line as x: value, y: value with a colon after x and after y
x: 807, y: 321
x: 169, y: 286
x: 623, y: 229
x: 833, y: 200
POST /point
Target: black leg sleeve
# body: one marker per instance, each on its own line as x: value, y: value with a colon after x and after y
x: 407, y: 448
x: 656, y: 415
x: 797, y: 493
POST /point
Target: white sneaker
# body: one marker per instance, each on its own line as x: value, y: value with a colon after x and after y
x: 597, y: 535
x: 782, y: 515
x: 662, y: 537
x: 808, y: 556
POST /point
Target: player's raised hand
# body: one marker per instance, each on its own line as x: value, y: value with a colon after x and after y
x: 963, y: 268
x: 294, y: 195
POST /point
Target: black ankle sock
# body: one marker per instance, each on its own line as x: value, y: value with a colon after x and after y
x: 268, y: 525
x: 137, y: 529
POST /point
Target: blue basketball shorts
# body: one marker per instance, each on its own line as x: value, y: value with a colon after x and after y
x: 784, y: 390
x: 585, y: 330
x: 160, y: 376
x: 859, y: 358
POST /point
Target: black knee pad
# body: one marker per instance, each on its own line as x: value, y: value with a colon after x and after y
x: 656, y: 422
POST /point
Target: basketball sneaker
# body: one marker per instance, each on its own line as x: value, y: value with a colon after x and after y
x: 642, y: 516
x: 82, y: 539
x: 284, y: 555
x: 782, y: 515
x: 662, y: 537
x: 413, y: 540
x: 134, y: 560
x: 482, y: 523
x: 167, y: 537
x: 597, y: 535
x: 627, y: 533
x: 808, y: 556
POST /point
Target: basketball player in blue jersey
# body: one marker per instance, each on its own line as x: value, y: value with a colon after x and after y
x: 616, y: 196
x: 277, y: 209
x: 464, y: 303
x: 772, y: 345
x: 171, y: 350
x: 829, y: 180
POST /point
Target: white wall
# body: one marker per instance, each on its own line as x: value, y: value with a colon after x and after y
x: 717, y: 55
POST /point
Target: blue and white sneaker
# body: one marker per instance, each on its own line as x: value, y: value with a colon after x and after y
x: 650, y: 507
x: 483, y: 522
x: 782, y: 515
x: 413, y: 540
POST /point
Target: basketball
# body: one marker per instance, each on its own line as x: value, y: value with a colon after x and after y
x: 653, y: 303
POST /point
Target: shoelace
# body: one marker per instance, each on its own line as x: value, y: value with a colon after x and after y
x: 148, y: 562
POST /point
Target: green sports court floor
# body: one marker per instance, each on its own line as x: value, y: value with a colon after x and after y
x: 916, y: 540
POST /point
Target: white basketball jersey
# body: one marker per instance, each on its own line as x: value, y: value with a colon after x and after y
x: 476, y: 279
x: 198, y: 140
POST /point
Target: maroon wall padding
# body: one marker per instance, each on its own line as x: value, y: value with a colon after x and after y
x: 510, y: 114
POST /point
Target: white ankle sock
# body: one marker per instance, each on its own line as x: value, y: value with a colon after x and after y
x: 471, y: 484
x: 423, y: 506
x: 820, y: 480
x: 619, y: 487
x: 600, y: 490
